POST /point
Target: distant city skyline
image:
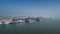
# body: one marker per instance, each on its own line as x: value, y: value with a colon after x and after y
x: 49, y: 8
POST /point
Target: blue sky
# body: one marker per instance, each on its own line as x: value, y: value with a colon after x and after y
x: 30, y: 8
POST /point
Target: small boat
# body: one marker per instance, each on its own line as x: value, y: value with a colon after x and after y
x: 13, y: 23
x: 3, y: 22
x: 27, y: 21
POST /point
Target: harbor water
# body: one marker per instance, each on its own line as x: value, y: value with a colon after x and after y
x: 41, y: 27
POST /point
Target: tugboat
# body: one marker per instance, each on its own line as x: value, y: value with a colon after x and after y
x: 27, y: 21
x: 13, y: 22
x: 3, y: 22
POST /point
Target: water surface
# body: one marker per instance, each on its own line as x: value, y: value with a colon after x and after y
x: 42, y: 27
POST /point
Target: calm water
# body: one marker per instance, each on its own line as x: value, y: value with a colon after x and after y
x: 43, y: 27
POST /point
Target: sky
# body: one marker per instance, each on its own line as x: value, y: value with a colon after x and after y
x: 46, y: 8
